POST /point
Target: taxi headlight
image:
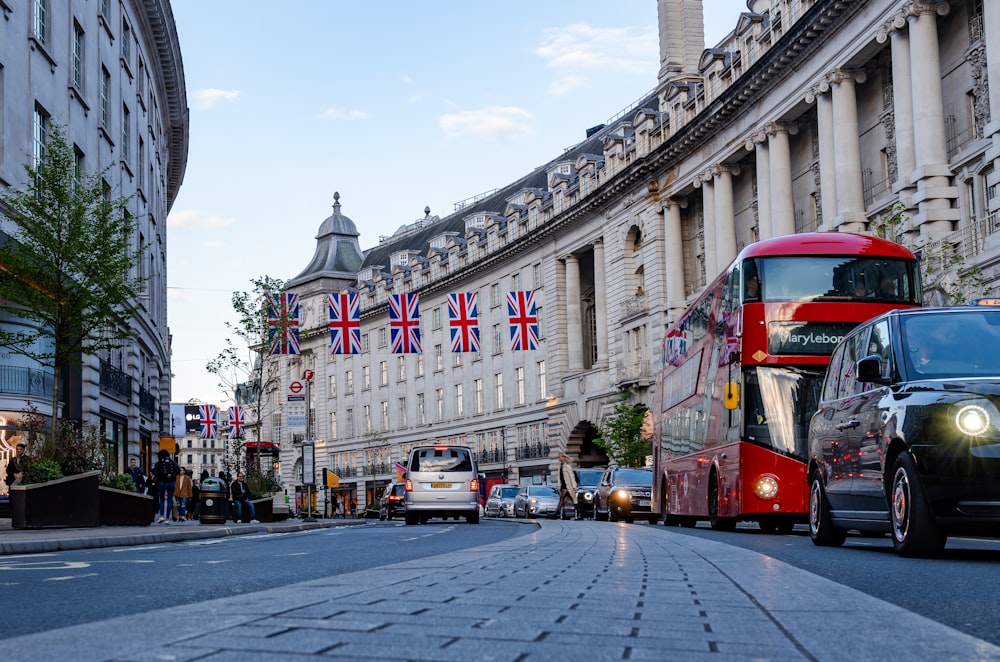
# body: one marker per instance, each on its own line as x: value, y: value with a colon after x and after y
x: 588, y: 496
x: 973, y: 420
x: 766, y: 487
x: 622, y: 494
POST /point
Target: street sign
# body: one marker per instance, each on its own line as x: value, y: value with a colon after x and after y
x: 295, y: 393
x: 307, y: 375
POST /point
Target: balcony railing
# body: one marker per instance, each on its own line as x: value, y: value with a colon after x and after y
x: 115, y: 382
x: 532, y: 450
x: 634, y: 370
x: 147, y: 403
x: 633, y: 306
x: 20, y: 380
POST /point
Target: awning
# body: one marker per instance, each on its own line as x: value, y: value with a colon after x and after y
x: 263, y: 447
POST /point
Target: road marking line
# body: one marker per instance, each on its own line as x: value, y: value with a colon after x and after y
x: 60, y: 579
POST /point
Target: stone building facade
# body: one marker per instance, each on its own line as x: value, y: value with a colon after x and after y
x: 810, y: 115
x: 110, y: 74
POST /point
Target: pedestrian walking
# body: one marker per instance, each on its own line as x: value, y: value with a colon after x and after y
x: 194, y: 512
x: 354, y: 506
x: 138, y: 476
x: 567, y: 486
x: 166, y: 471
x: 182, y: 493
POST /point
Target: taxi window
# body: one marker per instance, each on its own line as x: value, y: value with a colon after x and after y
x: 854, y: 351
x: 832, y: 383
x: 878, y: 345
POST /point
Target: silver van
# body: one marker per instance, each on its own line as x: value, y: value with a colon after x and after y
x: 441, y: 481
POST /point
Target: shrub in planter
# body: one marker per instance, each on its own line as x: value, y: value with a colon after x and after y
x: 122, y: 482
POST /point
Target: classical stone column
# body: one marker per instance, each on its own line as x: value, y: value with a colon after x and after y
x: 991, y: 35
x: 847, y: 152
x: 601, y: 302
x: 708, y: 207
x: 574, y: 318
x: 932, y: 175
x: 762, y: 166
x: 820, y: 93
x: 725, y: 217
x: 674, y: 256
x: 902, y: 98
x: 782, y: 202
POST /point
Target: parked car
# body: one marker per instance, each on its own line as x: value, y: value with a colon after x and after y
x: 501, y: 501
x: 393, y: 501
x: 441, y: 481
x: 906, y: 439
x: 536, y: 501
x: 623, y: 494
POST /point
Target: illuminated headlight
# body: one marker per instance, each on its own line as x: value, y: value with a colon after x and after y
x: 622, y: 494
x: 766, y: 487
x: 588, y: 496
x: 972, y: 420
x: 533, y: 501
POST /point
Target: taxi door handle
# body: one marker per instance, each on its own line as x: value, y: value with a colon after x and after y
x: 853, y: 423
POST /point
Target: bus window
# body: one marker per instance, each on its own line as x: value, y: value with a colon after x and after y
x: 780, y: 402
x: 815, y: 278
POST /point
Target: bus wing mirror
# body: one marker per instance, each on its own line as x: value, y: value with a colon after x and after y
x: 732, y: 399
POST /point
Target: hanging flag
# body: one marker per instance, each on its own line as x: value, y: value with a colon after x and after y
x: 283, y: 322
x: 345, y: 324
x: 463, y: 320
x: 237, y: 422
x: 208, y: 424
x: 523, y: 320
x: 404, y: 323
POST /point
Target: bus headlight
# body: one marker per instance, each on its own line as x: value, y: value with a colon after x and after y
x: 766, y: 487
x: 972, y: 420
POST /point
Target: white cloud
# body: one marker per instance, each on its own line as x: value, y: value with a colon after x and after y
x: 406, y: 80
x: 343, y: 114
x: 494, y: 122
x: 575, y: 50
x: 196, y: 219
x: 211, y: 97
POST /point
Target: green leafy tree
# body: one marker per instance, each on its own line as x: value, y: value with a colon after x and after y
x: 624, y: 435
x: 243, y: 369
x: 943, y: 270
x: 69, y: 266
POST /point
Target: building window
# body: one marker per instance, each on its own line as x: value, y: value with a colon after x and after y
x: 333, y: 425
x: 40, y: 20
x: 421, y: 414
x: 438, y: 357
x: 78, y: 57
x: 477, y: 386
x: 349, y: 381
x: 105, y: 98
x: 543, y: 389
x: 78, y: 168
x: 420, y: 365
x: 126, y: 132
x: 495, y: 295
x: 126, y: 43
x: 382, y: 337
x: 383, y: 373
x: 331, y: 386
x: 439, y: 403
x: 385, y: 415
x: 497, y: 339
x: 401, y: 367
x: 515, y: 282
x: 367, y: 414
x: 498, y: 389
x: 365, y: 346
x: 459, y: 400
x: 436, y: 318
x: 457, y: 359
x: 403, y: 419
x: 40, y: 135
x: 366, y: 378
x: 350, y: 422
x: 519, y: 384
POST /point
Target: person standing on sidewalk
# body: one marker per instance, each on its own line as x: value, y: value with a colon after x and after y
x: 195, y: 512
x: 567, y: 486
x: 138, y: 476
x: 14, y: 468
x: 182, y: 492
x: 166, y: 471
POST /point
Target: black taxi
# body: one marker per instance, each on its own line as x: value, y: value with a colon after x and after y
x: 906, y: 439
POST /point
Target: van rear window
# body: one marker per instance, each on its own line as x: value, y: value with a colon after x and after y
x: 441, y: 459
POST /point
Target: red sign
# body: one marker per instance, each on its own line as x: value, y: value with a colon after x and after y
x: 295, y: 387
x: 307, y: 375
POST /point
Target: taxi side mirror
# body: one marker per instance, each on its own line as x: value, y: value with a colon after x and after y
x: 870, y: 370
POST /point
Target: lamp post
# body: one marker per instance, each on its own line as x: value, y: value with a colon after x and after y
x: 308, y: 450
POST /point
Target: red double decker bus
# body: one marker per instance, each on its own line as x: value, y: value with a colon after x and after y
x: 743, y: 368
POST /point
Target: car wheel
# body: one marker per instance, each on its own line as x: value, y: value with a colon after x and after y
x: 411, y: 519
x: 598, y: 516
x: 717, y: 523
x: 472, y: 518
x: 654, y: 519
x: 821, y: 528
x: 389, y: 515
x: 381, y: 517
x: 914, y: 532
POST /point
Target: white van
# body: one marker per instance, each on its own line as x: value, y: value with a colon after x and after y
x: 441, y: 481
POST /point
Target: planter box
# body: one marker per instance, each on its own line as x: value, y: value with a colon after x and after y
x: 262, y: 508
x: 121, y: 508
x: 67, y: 502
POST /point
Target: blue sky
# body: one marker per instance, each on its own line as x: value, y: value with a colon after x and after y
x: 396, y: 105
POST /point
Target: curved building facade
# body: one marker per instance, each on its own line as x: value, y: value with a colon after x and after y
x: 111, y: 74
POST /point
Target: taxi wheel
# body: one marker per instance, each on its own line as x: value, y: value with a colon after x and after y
x: 914, y: 532
x: 821, y: 528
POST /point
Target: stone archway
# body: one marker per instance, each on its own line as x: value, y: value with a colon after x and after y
x: 580, y: 446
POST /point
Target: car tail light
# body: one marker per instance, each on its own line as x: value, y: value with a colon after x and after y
x: 473, y: 485
x: 409, y: 485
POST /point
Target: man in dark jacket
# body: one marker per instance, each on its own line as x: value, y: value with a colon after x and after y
x: 14, y: 468
x: 138, y: 476
x: 240, y: 493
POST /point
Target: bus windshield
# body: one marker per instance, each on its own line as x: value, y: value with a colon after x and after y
x: 836, y: 278
x: 779, y: 404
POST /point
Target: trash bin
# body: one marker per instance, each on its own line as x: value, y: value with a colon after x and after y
x: 214, y: 501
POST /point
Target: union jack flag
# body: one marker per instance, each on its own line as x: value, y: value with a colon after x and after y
x: 208, y: 424
x: 345, y: 324
x: 237, y: 422
x: 404, y: 323
x: 463, y: 320
x: 283, y: 322
x: 523, y: 320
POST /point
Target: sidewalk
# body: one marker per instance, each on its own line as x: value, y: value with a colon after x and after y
x: 566, y: 590
x: 37, y: 541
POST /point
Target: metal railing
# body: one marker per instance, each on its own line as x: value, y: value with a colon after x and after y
x: 532, y: 450
x: 147, y: 403
x: 115, y: 382
x: 20, y: 380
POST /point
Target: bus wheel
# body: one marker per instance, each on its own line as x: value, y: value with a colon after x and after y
x: 717, y: 523
x: 821, y: 528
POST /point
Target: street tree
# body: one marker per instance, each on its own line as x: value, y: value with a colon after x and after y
x: 70, y: 265
x: 243, y: 368
x: 624, y: 435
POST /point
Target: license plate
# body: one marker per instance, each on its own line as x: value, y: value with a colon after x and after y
x: 643, y: 502
x: 440, y: 485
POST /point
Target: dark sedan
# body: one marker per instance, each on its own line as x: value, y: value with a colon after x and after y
x: 392, y: 502
x: 586, y: 487
x: 906, y: 439
x: 623, y: 494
